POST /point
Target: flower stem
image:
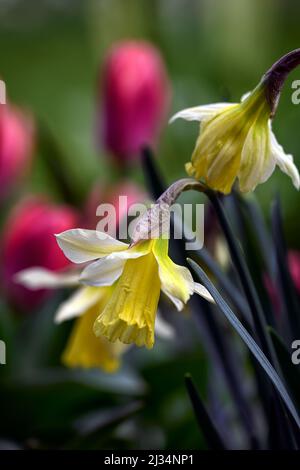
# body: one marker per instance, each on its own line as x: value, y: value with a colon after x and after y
x: 275, y: 77
x: 246, y: 281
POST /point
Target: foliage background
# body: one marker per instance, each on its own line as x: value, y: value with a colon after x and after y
x: 50, y: 53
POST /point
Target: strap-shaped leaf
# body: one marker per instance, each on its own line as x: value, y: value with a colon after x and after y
x: 290, y: 371
x: 249, y: 341
x: 242, y: 270
x: 208, y: 428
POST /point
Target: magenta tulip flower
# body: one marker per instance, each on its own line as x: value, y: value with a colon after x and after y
x: 29, y: 241
x: 16, y: 144
x: 135, y: 99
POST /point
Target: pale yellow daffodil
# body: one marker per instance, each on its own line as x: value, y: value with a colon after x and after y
x: 83, y: 348
x: 138, y: 274
x: 236, y: 142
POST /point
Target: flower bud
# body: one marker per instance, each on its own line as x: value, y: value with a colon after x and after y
x: 29, y: 241
x: 136, y: 95
x: 16, y: 143
x: 236, y: 141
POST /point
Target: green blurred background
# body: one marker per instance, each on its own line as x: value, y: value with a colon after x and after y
x: 50, y: 54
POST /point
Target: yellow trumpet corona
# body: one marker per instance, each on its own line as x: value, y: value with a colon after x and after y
x: 83, y: 349
x: 137, y: 273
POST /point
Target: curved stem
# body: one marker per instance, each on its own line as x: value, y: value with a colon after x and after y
x: 173, y: 192
x: 158, y: 215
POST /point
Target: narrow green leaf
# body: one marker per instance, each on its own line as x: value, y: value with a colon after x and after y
x: 53, y: 158
x: 241, y: 267
x: 249, y: 341
x: 153, y: 177
x: 97, y: 421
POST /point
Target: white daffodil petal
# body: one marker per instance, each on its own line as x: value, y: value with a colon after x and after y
x: 105, y: 271
x: 285, y: 161
x: 78, y: 303
x: 198, y: 113
x: 163, y: 329
x: 201, y: 290
x: 80, y: 246
x: 40, y: 278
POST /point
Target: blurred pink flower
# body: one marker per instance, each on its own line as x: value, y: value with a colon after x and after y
x: 294, y: 267
x: 110, y: 195
x: 16, y: 145
x: 29, y: 240
x: 133, y: 193
x: 136, y: 96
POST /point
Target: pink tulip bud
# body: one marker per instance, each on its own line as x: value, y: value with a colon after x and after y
x: 29, y: 241
x: 16, y: 144
x: 136, y: 96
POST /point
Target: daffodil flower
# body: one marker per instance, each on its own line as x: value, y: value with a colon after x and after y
x: 138, y: 274
x: 236, y: 140
x: 83, y: 348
